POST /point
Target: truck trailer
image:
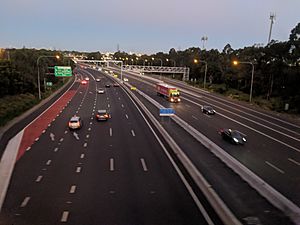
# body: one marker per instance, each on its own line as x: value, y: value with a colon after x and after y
x: 167, y: 91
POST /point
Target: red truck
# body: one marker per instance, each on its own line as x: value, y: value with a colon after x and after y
x: 169, y: 92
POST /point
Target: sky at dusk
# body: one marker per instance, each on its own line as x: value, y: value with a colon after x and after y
x: 143, y: 26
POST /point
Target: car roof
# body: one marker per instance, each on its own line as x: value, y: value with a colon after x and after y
x: 102, y: 111
x: 75, y: 118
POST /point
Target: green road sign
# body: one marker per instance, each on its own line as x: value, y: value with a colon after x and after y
x: 49, y: 84
x: 62, y: 71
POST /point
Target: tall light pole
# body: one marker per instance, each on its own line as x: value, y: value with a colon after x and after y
x: 172, y: 60
x: 272, y: 18
x: 204, y: 39
x: 158, y: 59
x: 252, y: 75
x: 37, y: 64
x: 205, y: 71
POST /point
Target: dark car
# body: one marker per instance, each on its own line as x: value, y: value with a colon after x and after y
x: 208, y: 110
x: 75, y: 123
x: 102, y: 115
x: 107, y: 85
x: 116, y: 85
x: 233, y: 136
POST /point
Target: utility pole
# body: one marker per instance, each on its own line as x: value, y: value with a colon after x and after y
x: 272, y: 18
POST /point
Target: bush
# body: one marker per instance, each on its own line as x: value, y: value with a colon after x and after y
x: 12, y: 106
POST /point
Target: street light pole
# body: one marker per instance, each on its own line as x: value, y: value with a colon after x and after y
x: 252, y: 75
x: 205, y: 70
x: 37, y: 64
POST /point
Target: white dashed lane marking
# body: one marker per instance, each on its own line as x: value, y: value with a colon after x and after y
x: 111, y: 164
x: 48, y: 162
x: 73, y: 189
x: 274, y: 167
x: 126, y: 116
x: 38, y: 179
x: 110, y: 132
x: 144, y: 164
x: 82, y: 156
x: 25, y: 202
x: 78, y: 169
x: 64, y: 217
x: 294, y: 161
x: 132, y: 132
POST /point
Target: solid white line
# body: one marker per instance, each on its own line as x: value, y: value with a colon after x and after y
x: 48, y: 162
x: 110, y: 132
x: 294, y: 161
x: 38, y: 179
x: 111, y: 164
x: 195, y: 117
x: 65, y: 216
x: 258, y: 123
x: 25, y: 202
x: 82, y: 156
x: 78, y: 169
x: 132, y: 132
x: 126, y: 116
x: 144, y: 164
x: 251, y: 128
x: 275, y: 167
x: 73, y: 189
x: 187, y: 185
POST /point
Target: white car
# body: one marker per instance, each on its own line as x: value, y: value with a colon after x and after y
x: 100, y: 91
x: 87, y: 78
x: 97, y: 79
x: 125, y: 79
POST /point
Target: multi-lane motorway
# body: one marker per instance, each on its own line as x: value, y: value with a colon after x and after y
x: 113, y: 172
x: 121, y: 171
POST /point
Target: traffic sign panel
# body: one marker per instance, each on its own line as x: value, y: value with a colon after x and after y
x: 62, y: 71
x: 166, y: 112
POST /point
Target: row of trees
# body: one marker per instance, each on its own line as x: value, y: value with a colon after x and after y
x: 18, y: 70
x: 277, y: 68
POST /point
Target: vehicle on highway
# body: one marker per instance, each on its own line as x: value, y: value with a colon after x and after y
x: 116, y: 85
x: 208, y: 110
x: 125, y: 79
x: 98, y: 80
x: 100, y: 91
x: 102, y: 114
x: 233, y: 136
x: 167, y: 91
x: 87, y: 78
x: 107, y: 85
x: 75, y: 123
x: 133, y: 88
x: 83, y: 82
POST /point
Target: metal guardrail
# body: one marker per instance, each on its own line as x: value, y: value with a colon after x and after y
x: 273, y: 196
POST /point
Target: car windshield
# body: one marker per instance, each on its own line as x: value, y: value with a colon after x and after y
x: 236, y: 134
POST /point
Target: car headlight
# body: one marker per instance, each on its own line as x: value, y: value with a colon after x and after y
x: 236, y: 140
x: 244, y: 139
x: 179, y: 99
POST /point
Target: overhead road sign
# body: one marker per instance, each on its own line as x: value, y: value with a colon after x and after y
x: 166, y: 112
x: 62, y: 71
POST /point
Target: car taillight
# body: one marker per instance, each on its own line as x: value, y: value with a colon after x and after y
x: 70, y: 124
x: 106, y: 116
x: 98, y: 116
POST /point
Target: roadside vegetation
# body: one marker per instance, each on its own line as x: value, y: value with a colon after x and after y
x: 276, y: 83
x: 18, y: 79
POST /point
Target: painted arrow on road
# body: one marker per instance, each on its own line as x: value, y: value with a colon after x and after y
x: 52, y: 136
x: 76, y: 135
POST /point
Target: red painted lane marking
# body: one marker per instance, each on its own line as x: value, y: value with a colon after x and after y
x: 35, y: 129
